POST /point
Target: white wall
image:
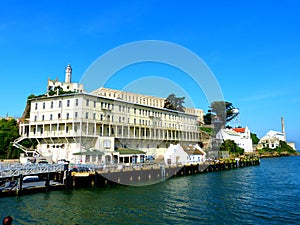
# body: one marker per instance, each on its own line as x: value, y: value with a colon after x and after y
x: 175, y: 154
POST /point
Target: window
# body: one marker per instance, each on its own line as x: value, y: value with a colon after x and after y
x: 86, y: 115
x: 43, y: 117
x: 87, y: 102
x: 36, y: 106
x: 106, y: 144
x: 94, y: 116
x: 35, y: 118
x: 76, y: 114
x: 101, y: 117
x: 75, y: 128
x: 68, y: 103
x: 44, y: 105
x: 58, y: 116
x: 68, y: 115
x: 51, y: 105
x: 59, y: 104
x: 119, y: 119
x: 76, y: 102
x: 67, y: 129
x: 95, y: 104
x: 51, y: 116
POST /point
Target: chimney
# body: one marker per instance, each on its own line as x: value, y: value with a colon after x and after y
x: 282, y: 128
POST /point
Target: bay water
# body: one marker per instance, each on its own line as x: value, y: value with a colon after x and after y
x: 265, y: 194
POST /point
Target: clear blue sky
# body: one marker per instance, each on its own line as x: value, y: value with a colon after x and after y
x: 252, y: 47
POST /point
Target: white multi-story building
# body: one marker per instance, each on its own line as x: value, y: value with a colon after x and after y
x: 144, y: 100
x: 241, y: 136
x: 86, y: 127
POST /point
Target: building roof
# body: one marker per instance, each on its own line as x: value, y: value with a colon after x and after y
x: 240, y: 129
x: 192, y: 150
x: 89, y: 152
x: 128, y: 151
x: 230, y: 132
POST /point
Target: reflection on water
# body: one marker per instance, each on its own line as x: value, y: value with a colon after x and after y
x: 265, y: 194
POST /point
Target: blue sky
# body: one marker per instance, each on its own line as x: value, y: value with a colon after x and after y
x: 252, y: 47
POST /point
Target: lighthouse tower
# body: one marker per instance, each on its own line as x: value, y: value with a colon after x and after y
x: 68, y: 76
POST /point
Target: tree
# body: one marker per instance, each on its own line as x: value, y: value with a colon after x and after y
x: 207, y: 118
x: 254, y: 138
x: 231, y: 147
x: 286, y: 148
x: 225, y: 111
x: 222, y: 112
x: 9, y: 131
x: 174, y: 103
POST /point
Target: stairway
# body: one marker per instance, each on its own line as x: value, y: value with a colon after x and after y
x: 28, y: 152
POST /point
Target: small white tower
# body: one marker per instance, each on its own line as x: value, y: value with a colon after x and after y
x: 68, y: 77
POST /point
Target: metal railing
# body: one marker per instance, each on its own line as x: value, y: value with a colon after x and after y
x: 15, y: 170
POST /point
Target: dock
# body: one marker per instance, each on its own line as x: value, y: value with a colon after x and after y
x: 49, y: 177
x: 60, y: 176
x: 140, y: 174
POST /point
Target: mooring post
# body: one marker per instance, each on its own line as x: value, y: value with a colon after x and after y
x: 65, y: 173
x: 47, y: 183
x: 20, y: 185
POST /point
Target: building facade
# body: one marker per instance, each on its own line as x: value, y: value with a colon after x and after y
x: 144, y: 100
x: 241, y: 136
x: 272, y: 140
x: 70, y: 123
x: 91, y: 127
